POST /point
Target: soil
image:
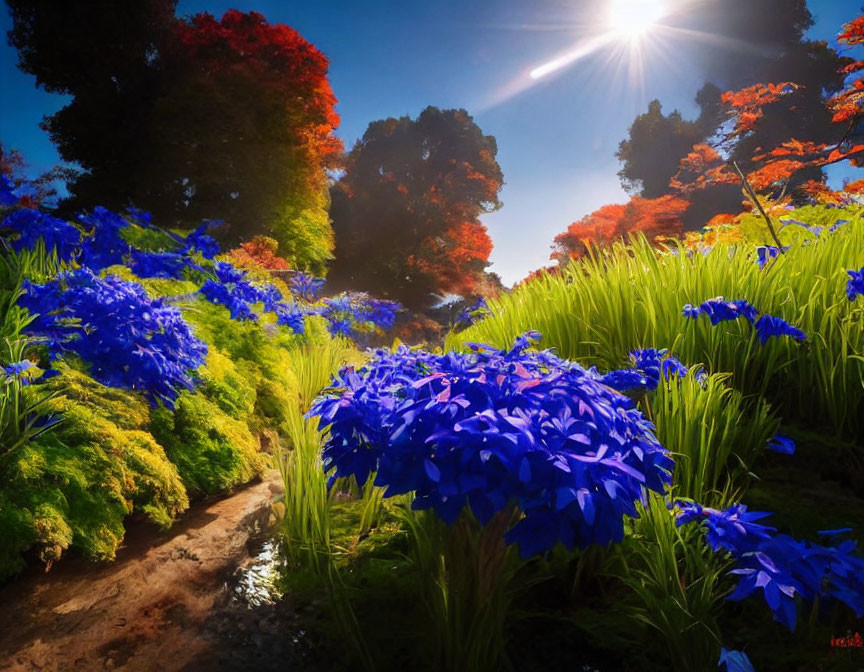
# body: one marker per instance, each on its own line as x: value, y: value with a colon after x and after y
x: 166, y: 603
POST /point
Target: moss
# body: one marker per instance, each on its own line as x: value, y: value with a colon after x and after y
x: 152, y: 240
x: 74, y: 486
x: 213, y: 451
x: 233, y: 390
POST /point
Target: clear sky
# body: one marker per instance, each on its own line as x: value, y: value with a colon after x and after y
x: 556, y: 139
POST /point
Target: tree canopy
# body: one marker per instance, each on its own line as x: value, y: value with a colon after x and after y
x: 746, y: 50
x: 406, y: 212
x: 190, y: 119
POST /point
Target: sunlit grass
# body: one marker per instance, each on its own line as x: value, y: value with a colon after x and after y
x: 631, y: 296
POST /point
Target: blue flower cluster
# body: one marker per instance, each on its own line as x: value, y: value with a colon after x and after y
x: 491, y: 429
x: 104, y: 246
x: 855, y: 285
x: 766, y: 326
x: 16, y: 370
x: 233, y: 289
x: 355, y: 313
x: 128, y: 339
x: 305, y: 286
x: 720, y: 310
x: 31, y: 225
x: 648, y: 365
x: 199, y: 241
x: 160, y: 264
x: 778, y: 564
x: 477, y: 310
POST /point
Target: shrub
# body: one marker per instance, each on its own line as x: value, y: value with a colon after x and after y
x: 73, y: 486
x: 128, y: 339
x: 213, y: 452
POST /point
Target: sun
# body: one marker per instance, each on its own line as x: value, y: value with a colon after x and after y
x: 634, y: 18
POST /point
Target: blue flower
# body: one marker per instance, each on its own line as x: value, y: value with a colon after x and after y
x: 290, y: 315
x: 720, y: 310
x: 158, y: 264
x: 836, y: 225
x: 648, y: 363
x: 779, y: 565
x: 766, y: 252
x: 735, y: 661
x: 625, y: 380
x: 476, y: 311
x: 14, y: 370
x: 128, y: 339
x: 199, y: 241
x: 782, y: 444
x: 56, y: 234
x: 489, y: 429
x: 855, y: 285
x: 233, y: 290
x: 305, y: 286
x: 769, y: 326
x: 341, y: 326
x: 104, y: 246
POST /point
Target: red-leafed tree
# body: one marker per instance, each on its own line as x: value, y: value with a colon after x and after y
x: 779, y: 51
x: 246, y: 134
x: 229, y: 118
x: 406, y: 212
x: 655, y: 218
x: 783, y: 169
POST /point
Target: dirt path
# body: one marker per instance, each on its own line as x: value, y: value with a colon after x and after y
x: 162, y: 605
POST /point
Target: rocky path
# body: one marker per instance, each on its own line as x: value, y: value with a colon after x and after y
x: 164, y: 604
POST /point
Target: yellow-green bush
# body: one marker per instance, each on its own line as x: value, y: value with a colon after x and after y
x: 74, y: 485
x: 213, y: 452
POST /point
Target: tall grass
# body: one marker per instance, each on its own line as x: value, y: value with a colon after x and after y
x: 466, y: 571
x: 631, y: 296
x: 306, y: 519
x: 22, y: 410
x: 714, y: 435
x: 676, y: 588
x: 315, y: 364
x: 306, y: 515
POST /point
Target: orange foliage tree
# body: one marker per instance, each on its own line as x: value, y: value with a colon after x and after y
x: 407, y: 211
x: 655, y: 218
x: 773, y: 171
x: 259, y: 254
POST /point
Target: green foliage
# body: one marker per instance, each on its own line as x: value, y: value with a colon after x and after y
x: 150, y: 240
x: 675, y: 588
x: 111, y: 454
x: 465, y: 573
x: 306, y: 516
x: 304, y: 235
x: 713, y: 434
x: 214, y: 452
x: 74, y: 486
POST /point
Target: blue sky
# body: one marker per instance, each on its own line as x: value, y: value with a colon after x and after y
x: 556, y: 139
